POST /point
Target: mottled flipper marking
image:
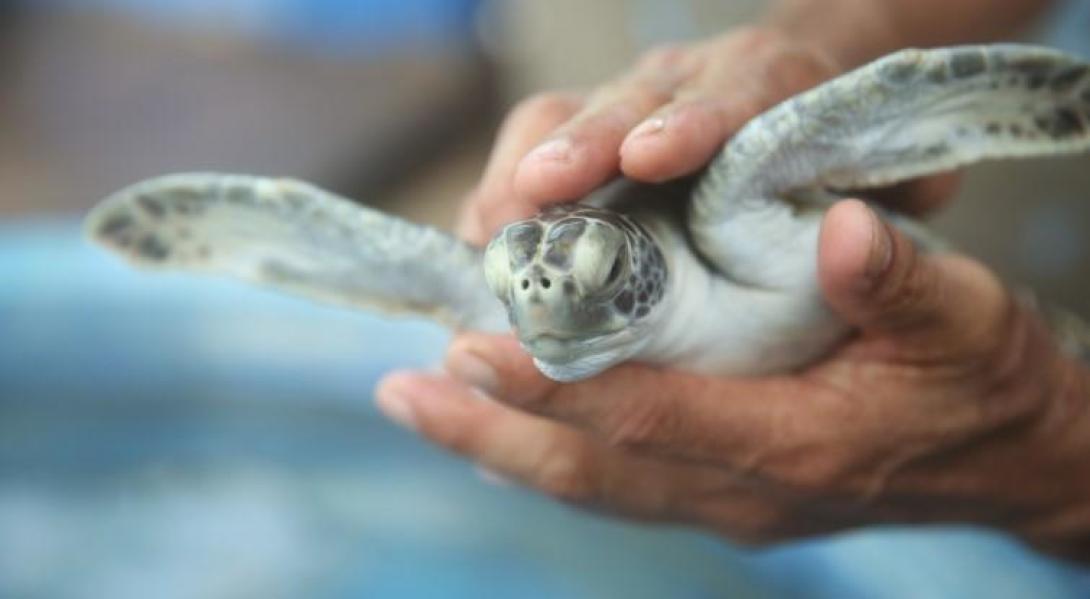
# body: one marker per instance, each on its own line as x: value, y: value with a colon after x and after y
x: 296, y: 237
x: 913, y: 113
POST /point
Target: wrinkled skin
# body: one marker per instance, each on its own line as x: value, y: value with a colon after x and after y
x: 952, y: 403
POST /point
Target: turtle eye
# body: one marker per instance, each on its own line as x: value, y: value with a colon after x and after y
x: 615, y: 270
x: 598, y: 259
x: 497, y: 268
x: 618, y: 270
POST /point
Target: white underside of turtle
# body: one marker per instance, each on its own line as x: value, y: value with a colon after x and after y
x: 718, y: 277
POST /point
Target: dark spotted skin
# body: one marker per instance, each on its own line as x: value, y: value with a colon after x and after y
x: 116, y: 225
x: 1039, y: 97
x: 151, y: 206
x: 1064, y: 120
x: 153, y: 248
x: 153, y: 222
x: 1057, y: 121
x: 561, y: 241
x: 522, y: 242
x: 967, y: 64
x: 124, y: 231
x: 1069, y: 77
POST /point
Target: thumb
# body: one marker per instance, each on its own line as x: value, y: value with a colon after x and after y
x: 875, y: 278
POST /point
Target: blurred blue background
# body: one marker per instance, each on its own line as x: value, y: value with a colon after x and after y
x: 163, y: 436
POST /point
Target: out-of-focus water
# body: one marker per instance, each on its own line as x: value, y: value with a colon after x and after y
x: 334, y: 27
x: 179, y: 437
x: 169, y: 436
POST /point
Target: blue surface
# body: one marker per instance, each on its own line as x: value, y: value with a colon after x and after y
x: 169, y: 436
x: 335, y: 27
x: 1068, y: 27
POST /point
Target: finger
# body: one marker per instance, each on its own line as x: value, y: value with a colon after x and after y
x: 567, y: 465
x: 743, y: 445
x: 546, y: 456
x: 738, y: 76
x: 664, y: 413
x: 875, y: 279
x: 682, y: 137
x: 585, y: 152
x: 494, y: 202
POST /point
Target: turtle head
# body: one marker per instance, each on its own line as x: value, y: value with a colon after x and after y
x: 580, y: 284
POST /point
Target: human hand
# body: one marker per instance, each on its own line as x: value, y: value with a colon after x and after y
x: 951, y: 404
x: 665, y: 118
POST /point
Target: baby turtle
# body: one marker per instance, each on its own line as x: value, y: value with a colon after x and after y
x: 728, y: 285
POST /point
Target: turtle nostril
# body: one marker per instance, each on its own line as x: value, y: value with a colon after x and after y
x: 526, y: 283
x: 546, y: 283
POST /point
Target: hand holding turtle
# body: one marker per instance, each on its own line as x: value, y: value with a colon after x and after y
x: 951, y: 404
x: 664, y: 119
x: 735, y: 287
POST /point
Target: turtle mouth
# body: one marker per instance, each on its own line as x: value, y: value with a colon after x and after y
x: 562, y: 348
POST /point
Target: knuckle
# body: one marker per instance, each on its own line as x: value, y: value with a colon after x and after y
x: 784, y: 65
x: 793, y: 70
x: 816, y: 463
x: 544, y: 105
x: 996, y: 347
x: 739, y: 110
x: 794, y: 447
x: 609, y: 93
x: 1006, y: 362
x: 652, y: 92
x: 662, y: 56
x: 811, y: 462
x: 1000, y: 326
x: 857, y: 468
x: 750, y: 38
x: 459, y: 439
x: 815, y: 476
x: 537, y: 401
x: 474, y: 204
x: 565, y: 476
x: 632, y: 96
x: 902, y: 297
x: 642, y: 426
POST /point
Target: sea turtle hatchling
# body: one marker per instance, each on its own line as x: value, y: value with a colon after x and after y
x: 727, y: 286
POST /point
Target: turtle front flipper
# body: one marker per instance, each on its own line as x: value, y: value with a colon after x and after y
x: 912, y: 113
x: 298, y: 238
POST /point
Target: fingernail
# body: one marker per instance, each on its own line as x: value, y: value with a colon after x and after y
x: 881, y: 248
x: 558, y: 150
x: 473, y: 370
x: 394, y: 402
x: 650, y: 126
